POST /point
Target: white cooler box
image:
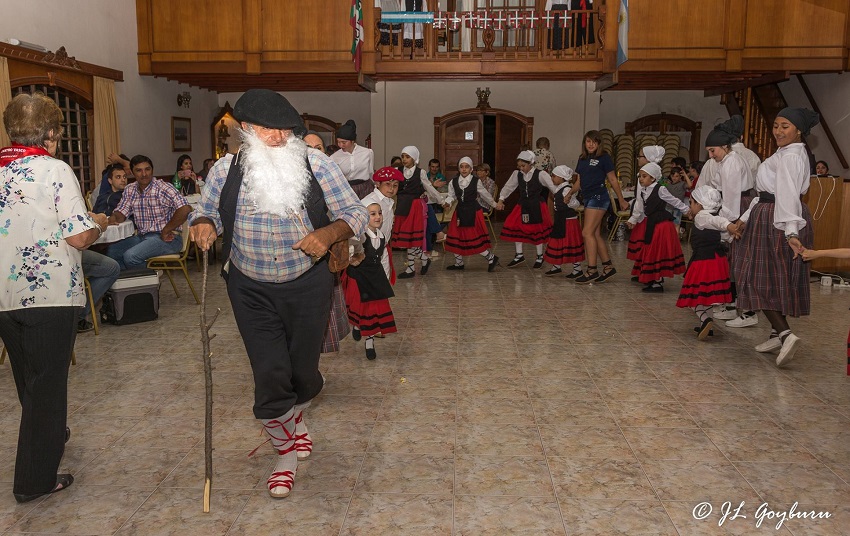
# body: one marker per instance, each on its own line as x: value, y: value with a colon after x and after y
x: 133, y: 298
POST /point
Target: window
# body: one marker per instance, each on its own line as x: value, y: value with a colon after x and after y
x: 74, y: 146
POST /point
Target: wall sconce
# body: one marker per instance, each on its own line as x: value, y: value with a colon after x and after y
x: 184, y: 98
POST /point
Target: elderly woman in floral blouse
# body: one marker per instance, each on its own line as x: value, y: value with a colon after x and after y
x: 46, y: 226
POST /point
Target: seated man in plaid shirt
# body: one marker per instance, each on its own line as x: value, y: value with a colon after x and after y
x: 157, y: 209
x: 272, y: 201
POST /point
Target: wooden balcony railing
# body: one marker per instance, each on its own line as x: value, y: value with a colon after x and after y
x: 551, y: 35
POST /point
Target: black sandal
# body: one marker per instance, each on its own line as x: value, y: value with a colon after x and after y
x: 62, y: 482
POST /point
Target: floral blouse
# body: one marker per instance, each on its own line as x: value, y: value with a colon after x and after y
x: 544, y: 160
x: 40, y: 206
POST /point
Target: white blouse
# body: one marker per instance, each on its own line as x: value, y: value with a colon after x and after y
x: 463, y: 182
x: 785, y: 174
x: 375, y: 237
x: 751, y: 158
x: 638, y: 213
x: 513, y: 182
x: 706, y: 220
x: 42, y: 206
x: 358, y: 165
x: 423, y: 178
x: 386, y: 209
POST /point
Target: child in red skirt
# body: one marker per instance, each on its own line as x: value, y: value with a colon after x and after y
x: 661, y: 255
x: 650, y: 153
x: 411, y: 212
x: 810, y: 254
x: 367, y: 286
x: 467, y: 233
x: 707, y: 277
x: 565, y: 243
x: 529, y: 222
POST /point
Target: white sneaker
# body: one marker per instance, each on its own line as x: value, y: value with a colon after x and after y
x: 789, y: 348
x: 770, y: 345
x: 435, y: 254
x: 743, y: 321
x: 725, y: 312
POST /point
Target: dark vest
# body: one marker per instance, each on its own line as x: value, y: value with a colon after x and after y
x: 467, y: 202
x: 529, y: 197
x: 705, y: 243
x: 562, y: 214
x: 408, y: 191
x: 655, y: 210
x: 371, y: 279
x: 315, y: 205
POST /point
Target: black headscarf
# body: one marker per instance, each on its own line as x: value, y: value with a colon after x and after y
x: 720, y: 136
x: 802, y: 118
x: 348, y: 131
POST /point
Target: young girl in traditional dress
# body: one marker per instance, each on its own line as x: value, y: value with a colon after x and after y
x: 367, y: 286
x: 529, y: 222
x: 411, y: 212
x: 811, y: 254
x: 661, y: 254
x: 650, y: 153
x: 566, y: 244
x: 707, y: 277
x: 467, y: 233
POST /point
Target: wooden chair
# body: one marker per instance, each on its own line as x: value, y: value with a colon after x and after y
x: 87, y: 197
x: 175, y: 261
x: 4, y: 353
x: 91, y: 306
x: 489, y: 214
x: 622, y: 215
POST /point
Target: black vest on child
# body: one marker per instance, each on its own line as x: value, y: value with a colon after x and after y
x: 409, y: 190
x: 562, y: 214
x: 705, y: 243
x: 529, y: 197
x: 467, y: 203
x: 370, y: 275
x: 655, y: 210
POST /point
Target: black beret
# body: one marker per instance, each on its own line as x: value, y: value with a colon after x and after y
x: 348, y: 131
x: 267, y: 108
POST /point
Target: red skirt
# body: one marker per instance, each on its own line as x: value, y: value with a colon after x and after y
x: 370, y: 317
x: 514, y: 230
x: 706, y: 283
x: 568, y: 249
x: 662, y: 257
x: 409, y: 231
x: 636, y: 240
x: 467, y: 240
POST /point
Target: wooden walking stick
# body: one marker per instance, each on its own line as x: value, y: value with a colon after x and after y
x: 205, y: 340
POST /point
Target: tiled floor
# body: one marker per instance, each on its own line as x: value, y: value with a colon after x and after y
x: 507, y: 403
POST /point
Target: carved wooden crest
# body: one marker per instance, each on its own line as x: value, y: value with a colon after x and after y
x: 61, y: 57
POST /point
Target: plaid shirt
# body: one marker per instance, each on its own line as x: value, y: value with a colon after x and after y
x: 262, y: 243
x: 151, y: 208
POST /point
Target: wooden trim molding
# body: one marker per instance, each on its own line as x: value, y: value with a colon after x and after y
x: 59, y: 60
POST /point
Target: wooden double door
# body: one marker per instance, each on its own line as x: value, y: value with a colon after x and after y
x: 487, y: 135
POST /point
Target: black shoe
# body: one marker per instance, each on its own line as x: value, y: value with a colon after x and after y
x: 355, y: 334
x: 635, y: 279
x: 655, y: 286
x: 606, y: 274
x: 587, y: 277
x: 519, y: 259
x: 699, y: 328
x: 538, y: 263
x: 67, y: 434
x: 573, y: 275
x: 62, y: 481
x: 553, y: 271
x: 84, y: 326
x: 704, y: 329
x: 456, y: 267
x: 406, y: 275
x: 371, y: 354
x: 425, y: 266
x: 492, y: 263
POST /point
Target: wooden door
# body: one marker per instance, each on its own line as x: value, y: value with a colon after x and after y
x: 456, y: 137
x: 510, y: 138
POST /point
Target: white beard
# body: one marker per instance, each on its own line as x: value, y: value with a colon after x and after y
x: 276, y: 178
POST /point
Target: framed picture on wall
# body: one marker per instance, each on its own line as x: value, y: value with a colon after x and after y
x: 181, y: 134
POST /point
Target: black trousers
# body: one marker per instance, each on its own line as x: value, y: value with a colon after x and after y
x: 282, y: 326
x: 40, y: 341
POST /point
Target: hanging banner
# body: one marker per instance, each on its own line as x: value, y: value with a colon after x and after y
x: 404, y: 17
x: 623, y: 33
x: 356, y: 20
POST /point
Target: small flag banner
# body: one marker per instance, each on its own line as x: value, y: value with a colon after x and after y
x: 402, y: 17
x: 356, y: 20
x: 623, y: 33
x: 496, y: 20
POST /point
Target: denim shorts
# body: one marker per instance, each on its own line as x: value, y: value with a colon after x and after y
x: 599, y: 201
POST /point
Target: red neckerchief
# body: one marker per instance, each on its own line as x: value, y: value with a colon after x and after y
x: 583, y: 5
x: 16, y: 151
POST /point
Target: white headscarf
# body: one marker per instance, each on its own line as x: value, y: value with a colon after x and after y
x: 653, y: 169
x: 654, y: 153
x: 528, y: 156
x: 412, y: 152
x: 708, y: 197
x: 465, y: 160
x: 564, y: 172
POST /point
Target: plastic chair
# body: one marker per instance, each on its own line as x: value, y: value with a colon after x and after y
x: 175, y: 261
x: 91, y: 304
x: 622, y: 215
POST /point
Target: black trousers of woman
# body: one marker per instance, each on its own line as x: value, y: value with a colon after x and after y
x: 39, y: 341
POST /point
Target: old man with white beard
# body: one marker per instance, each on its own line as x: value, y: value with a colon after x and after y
x: 271, y: 202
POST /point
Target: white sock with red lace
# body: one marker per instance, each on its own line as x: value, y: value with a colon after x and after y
x: 281, y: 431
x: 303, y: 443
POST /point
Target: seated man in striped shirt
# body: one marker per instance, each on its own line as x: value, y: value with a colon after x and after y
x: 272, y: 201
x: 158, y: 211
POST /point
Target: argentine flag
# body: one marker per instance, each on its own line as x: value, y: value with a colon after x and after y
x: 623, y: 33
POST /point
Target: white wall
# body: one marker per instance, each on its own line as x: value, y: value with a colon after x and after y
x: 403, y: 112
x: 832, y: 94
x: 103, y: 32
